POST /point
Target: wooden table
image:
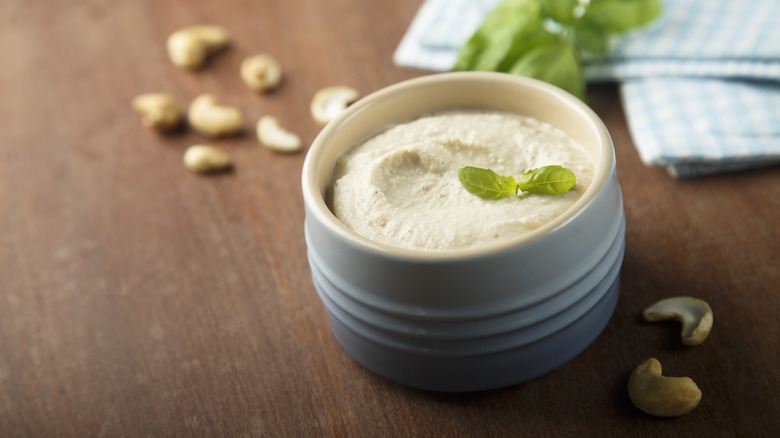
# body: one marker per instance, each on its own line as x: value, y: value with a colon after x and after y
x: 139, y: 299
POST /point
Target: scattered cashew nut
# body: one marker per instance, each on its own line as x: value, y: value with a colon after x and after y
x: 203, y: 158
x: 659, y: 395
x: 158, y: 111
x: 213, y: 120
x: 189, y: 47
x: 272, y: 135
x: 694, y: 314
x: 261, y: 72
x: 329, y: 102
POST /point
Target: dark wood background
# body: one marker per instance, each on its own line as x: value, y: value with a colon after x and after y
x: 138, y: 299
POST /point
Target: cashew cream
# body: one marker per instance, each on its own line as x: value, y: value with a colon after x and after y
x: 400, y: 186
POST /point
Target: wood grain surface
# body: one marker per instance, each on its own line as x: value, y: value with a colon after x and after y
x: 138, y: 299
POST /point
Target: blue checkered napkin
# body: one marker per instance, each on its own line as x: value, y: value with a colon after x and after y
x: 721, y: 38
x: 698, y: 126
x: 437, y: 32
x: 701, y: 86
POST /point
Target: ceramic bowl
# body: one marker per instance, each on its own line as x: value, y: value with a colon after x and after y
x: 472, y: 319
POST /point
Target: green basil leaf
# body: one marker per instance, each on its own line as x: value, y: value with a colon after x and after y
x: 545, y: 39
x: 470, y: 52
x: 547, y: 180
x: 557, y: 62
x: 504, y: 26
x: 538, y: 38
x: 591, y: 36
x: 495, y: 54
x: 486, y: 183
x: 621, y: 15
x: 561, y: 11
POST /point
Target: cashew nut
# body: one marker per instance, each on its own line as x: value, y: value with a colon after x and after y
x: 189, y: 47
x: 261, y: 72
x: 158, y: 111
x: 661, y: 396
x: 273, y: 136
x: 204, y: 159
x: 329, y: 102
x: 694, y: 314
x: 213, y: 120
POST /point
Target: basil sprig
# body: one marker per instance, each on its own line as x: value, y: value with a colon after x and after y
x: 487, y: 184
x: 546, y: 39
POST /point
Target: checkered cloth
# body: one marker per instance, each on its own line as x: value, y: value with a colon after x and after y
x: 700, y: 86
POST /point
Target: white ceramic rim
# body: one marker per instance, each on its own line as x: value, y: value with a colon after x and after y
x: 313, y: 193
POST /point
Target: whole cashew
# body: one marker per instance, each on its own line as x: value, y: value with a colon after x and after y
x: 213, y: 120
x: 272, y: 135
x: 158, y: 111
x: 328, y: 102
x: 261, y: 72
x: 661, y: 396
x: 203, y: 158
x: 189, y: 47
x: 694, y: 314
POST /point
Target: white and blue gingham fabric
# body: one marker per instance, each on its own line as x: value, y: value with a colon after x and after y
x: 700, y: 86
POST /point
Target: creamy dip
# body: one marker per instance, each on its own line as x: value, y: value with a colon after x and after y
x: 400, y: 187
